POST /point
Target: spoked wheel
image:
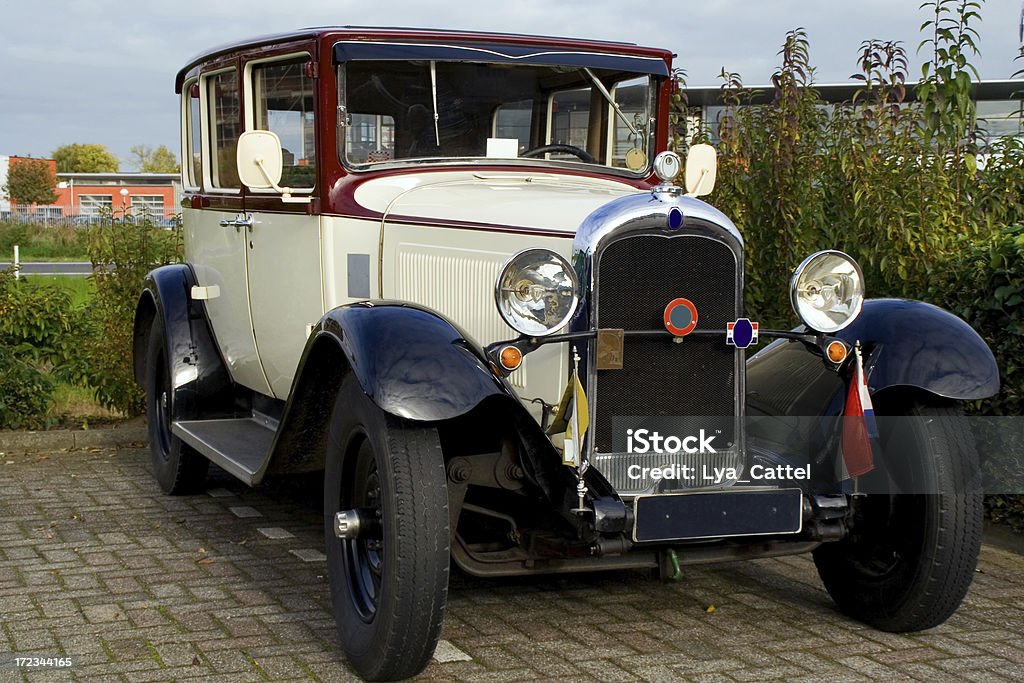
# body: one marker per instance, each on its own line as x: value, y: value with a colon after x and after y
x: 388, y: 551
x: 176, y: 466
x: 911, y: 556
x: 364, y: 555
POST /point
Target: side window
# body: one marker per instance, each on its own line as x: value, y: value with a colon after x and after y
x: 193, y: 158
x: 224, y: 117
x: 283, y: 104
x: 371, y: 138
x: 632, y: 98
x: 514, y: 120
x: 570, y: 116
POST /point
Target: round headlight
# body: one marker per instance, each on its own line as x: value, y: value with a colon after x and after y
x: 536, y: 292
x: 827, y: 291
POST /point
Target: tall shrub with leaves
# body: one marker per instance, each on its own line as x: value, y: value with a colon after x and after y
x: 892, y: 183
x: 34, y: 328
x: 770, y: 173
x: 122, y: 252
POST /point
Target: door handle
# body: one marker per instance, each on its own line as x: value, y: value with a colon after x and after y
x: 238, y: 222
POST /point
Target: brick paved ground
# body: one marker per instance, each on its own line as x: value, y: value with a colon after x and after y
x: 95, y: 562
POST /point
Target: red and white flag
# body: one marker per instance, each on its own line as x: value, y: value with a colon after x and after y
x: 859, y: 428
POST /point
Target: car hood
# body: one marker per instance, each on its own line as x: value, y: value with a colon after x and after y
x: 548, y: 202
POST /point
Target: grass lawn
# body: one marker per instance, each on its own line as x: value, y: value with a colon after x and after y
x: 74, y: 406
x: 42, y: 242
x: 44, y: 259
x: 79, y: 287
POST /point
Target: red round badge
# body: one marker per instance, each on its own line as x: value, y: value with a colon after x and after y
x: 680, y: 317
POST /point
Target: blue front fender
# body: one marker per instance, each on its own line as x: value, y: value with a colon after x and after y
x: 411, y: 361
x: 907, y: 344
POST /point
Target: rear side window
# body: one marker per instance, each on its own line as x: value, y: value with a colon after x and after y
x: 225, y: 122
x: 193, y: 158
x: 283, y: 104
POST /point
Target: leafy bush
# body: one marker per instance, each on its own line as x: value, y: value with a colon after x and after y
x: 35, y: 320
x: 983, y: 283
x: 895, y: 184
x: 122, y: 252
x: 34, y: 326
x: 25, y: 393
x: 44, y: 338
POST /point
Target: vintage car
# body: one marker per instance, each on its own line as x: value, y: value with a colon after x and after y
x: 451, y: 271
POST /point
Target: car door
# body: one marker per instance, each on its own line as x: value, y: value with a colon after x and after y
x: 215, y: 243
x: 283, y: 244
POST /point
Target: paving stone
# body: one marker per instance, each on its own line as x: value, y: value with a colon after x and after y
x: 309, y: 555
x: 446, y: 652
x: 275, y: 533
x: 245, y: 511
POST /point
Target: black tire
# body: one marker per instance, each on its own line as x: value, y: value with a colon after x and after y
x: 176, y: 466
x: 911, y: 557
x: 389, y: 591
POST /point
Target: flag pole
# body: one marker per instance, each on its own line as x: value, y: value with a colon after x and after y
x: 581, y: 464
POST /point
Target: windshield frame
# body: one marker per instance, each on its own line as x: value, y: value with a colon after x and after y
x: 611, y: 119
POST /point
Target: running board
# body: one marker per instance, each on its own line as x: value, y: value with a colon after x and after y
x: 237, y: 445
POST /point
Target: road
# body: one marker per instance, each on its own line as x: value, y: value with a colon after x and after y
x: 52, y: 268
x: 229, y: 585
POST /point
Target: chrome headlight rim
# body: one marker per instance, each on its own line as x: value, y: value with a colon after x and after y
x: 567, y: 269
x: 858, y: 303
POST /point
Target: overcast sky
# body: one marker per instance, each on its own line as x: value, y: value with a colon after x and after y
x: 102, y: 71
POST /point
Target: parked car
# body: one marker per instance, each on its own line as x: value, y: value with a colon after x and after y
x: 483, y: 310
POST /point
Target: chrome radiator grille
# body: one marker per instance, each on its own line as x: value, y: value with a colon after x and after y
x: 636, y: 278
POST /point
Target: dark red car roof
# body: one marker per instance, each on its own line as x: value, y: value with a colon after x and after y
x: 330, y: 33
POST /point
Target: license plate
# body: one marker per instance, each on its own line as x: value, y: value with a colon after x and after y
x: 717, y: 514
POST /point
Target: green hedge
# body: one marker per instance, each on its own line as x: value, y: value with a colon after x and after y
x: 43, y: 338
x: 910, y: 189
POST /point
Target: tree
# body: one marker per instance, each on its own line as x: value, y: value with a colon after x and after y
x: 84, y: 158
x: 30, y: 181
x: 159, y: 160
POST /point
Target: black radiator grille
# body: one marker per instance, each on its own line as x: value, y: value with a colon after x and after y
x: 636, y: 278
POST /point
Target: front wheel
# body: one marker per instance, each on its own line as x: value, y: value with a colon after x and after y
x: 389, y: 580
x: 911, y: 556
x: 176, y: 466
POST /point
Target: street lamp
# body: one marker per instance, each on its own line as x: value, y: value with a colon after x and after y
x: 69, y: 183
x: 124, y: 204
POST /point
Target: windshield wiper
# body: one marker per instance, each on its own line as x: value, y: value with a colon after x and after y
x: 608, y: 96
x: 433, y: 92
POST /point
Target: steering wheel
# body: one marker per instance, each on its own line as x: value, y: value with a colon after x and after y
x: 568, y: 149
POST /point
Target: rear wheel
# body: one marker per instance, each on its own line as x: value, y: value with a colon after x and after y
x: 389, y: 584
x: 176, y: 466
x: 911, y: 557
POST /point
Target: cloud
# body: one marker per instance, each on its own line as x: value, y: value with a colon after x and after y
x: 102, y: 70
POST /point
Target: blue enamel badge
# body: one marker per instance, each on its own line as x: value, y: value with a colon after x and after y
x: 741, y: 333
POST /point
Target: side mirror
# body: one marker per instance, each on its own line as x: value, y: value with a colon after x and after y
x: 259, y: 159
x: 701, y: 170
x: 260, y: 162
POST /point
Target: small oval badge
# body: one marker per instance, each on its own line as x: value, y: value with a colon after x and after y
x: 680, y: 317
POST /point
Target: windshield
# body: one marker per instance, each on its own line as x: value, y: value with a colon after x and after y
x: 430, y: 110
